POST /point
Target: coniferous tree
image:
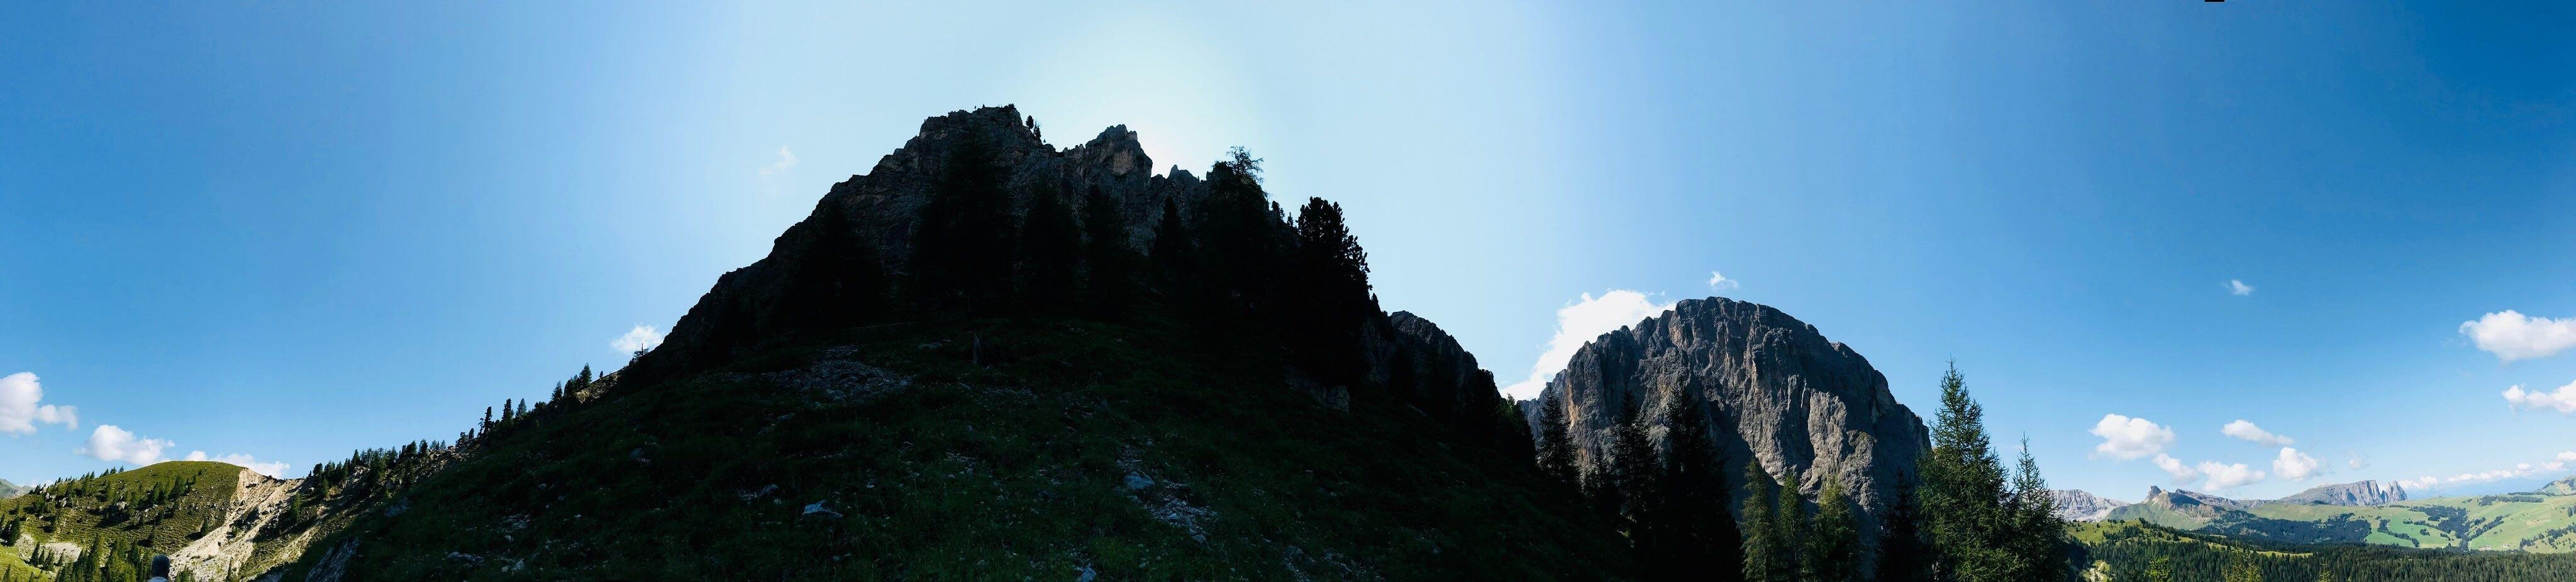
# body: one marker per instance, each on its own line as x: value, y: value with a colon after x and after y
x: 1835, y: 547
x: 507, y: 411
x: 1793, y: 527
x: 1174, y: 253
x: 961, y: 254
x: 1555, y: 446
x: 1107, y: 252
x: 1635, y: 473
x: 1332, y: 289
x: 1704, y: 543
x: 1964, y: 491
x: 1050, y: 247
x: 1766, y: 554
x: 2037, y: 536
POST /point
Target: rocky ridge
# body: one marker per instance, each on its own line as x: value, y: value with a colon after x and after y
x: 2080, y: 505
x: 1775, y: 390
x: 2361, y: 493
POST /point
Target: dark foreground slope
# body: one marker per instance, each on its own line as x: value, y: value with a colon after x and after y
x: 988, y: 358
x: 987, y: 449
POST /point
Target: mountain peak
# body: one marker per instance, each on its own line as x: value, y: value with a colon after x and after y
x: 2357, y: 493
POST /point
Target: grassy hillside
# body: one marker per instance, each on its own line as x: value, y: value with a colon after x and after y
x: 983, y: 450
x: 159, y: 506
x: 156, y: 509
x: 2527, y: 522
x: 2130, y: 550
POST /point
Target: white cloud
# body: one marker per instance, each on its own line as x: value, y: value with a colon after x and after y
x: 2224, y: 476
x: 1580, y: 323
x: 22, y: 407
x: 2563, y: 399
x: 2296, y: 466
x: 1717, y: 282
x: 109, y: 443
x: 2567, y: 456
x: 2559, y: 463
x: 269, y: 468
x: 2182, y: 474
x: 643, y: 337
x: 2357, y: 461
x: 786, y: 159
x: 2127, y: 438
x: 2243, y: 430
x: 2511, y: 336
x: 2238, y: 288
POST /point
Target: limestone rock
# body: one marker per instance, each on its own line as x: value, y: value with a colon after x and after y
x: 2362, y: 493
x: 2080, y: 505
x: 1775, y: 390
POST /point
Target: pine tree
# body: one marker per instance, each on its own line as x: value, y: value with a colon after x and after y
x: 1635, y: 475
x: 1174, y: 253
x: 1791, y: 525
x: 507, y: 411
x: 1555, y: 446
x: 2241, y: 568
x: 1705, y: 544
x: 1107, y: 251
x: 961, y: 255
x: 1835, y: 548
x: 1332, y: 294
x: 1963, y: 492
x: 1050, y: 247
x: 2037, y: 536
x: 1766, y: 555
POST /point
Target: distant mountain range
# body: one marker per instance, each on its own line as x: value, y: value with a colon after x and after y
x: 8, y: 490
x: 2367, y: 512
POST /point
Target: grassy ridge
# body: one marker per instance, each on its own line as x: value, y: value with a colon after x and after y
x: 1015, y: 449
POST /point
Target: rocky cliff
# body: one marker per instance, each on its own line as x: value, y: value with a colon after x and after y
x: 870, y: 219
x: 2362, y: 493
x: 2080, y: 505
x: 8, y: 490
x: 1775, y: 390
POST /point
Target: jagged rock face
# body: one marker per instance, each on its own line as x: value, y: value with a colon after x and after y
x: 873, y: 217
x: 1774, y: 389
x: 2191, y: 500
x: 2080, y: 505
x: 2362, y: 493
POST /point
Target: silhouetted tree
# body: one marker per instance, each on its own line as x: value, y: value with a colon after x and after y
x: 1835, y: 547
x: 961, y: 255
x: 1107, y: 253
x: 1555, y: 446
x: 1050, y: 248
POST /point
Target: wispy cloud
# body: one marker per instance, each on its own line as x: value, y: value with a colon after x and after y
x: 2127, y: 438
x: 2512, y: 336
x: 2551, y: 467
x: 1719, y: 282
x: 643, y: 337
x: 22, y: 406
x: 2246, y: 431
x: 1579, y: 323
x: 786, y: 159
x: 2239, y: 288
x: 2182, y: 474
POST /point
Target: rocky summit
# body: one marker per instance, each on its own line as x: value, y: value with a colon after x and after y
x: 2080, y: 505
x: 1775, y: 390
x: 2362, y: 493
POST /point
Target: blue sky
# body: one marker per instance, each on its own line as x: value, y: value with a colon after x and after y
x: 290, y: 232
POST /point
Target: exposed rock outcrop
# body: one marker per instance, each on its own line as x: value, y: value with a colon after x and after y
x: 2081, y: 505
x: 1775, y: 390
x: 2362, y: 493
x: 871, y: 218
x: 8, y: 490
